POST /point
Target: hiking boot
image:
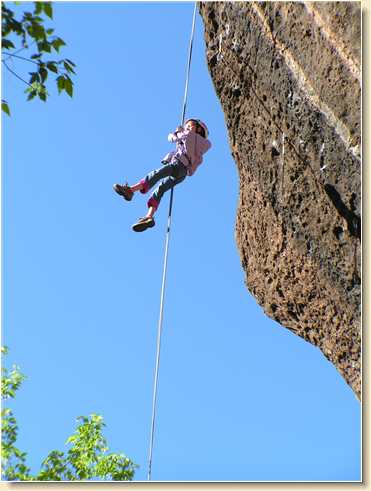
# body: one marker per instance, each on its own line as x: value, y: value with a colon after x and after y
x: 143, y: 223
x: 124, y: 191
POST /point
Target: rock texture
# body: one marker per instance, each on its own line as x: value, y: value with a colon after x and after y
x: 288, y: 77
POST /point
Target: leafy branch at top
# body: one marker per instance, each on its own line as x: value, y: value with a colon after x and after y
x: 29, y: 35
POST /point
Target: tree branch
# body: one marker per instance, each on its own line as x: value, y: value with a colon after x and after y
x: 15, y: 74
x: 12, y: 55
x: 21, y: 49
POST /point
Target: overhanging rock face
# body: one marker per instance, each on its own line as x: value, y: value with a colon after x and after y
x: 288, y: 77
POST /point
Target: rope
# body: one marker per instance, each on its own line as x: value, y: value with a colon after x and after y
x: 159, y: 329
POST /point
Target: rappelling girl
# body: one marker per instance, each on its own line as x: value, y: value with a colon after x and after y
x: 191, y: 143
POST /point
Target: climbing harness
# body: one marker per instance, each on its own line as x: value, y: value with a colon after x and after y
x: 159, y: 329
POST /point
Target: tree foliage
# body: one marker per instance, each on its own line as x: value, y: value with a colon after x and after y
x: 88, y: 457
x: 12, y: 459
x: 28, y: 35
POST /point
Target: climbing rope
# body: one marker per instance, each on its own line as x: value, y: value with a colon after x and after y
x: 159, y: 329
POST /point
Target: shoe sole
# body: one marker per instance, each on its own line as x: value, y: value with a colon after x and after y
x: 122, y: 195
x: 141, y: 227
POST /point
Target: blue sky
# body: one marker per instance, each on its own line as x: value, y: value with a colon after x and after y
x: 240, y: 398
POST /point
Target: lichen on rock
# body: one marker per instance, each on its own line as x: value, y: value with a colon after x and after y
x: 288, y: 78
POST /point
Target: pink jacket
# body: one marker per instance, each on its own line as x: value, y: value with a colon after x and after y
x: 190, y: 147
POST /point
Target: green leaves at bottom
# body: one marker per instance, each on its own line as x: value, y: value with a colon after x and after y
x: 88, y: 457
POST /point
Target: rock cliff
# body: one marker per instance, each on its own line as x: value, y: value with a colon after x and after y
x: 288, y: 76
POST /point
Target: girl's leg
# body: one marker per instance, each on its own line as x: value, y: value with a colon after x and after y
x: 154, y: 201
x: 150, y: 180
x: 174, y: 170
x: 151, y: 212
x: 137, y: 187
x: 156, y: 196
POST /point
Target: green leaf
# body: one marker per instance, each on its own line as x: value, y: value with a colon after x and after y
x: 60, y: 83
x: 34, y: 77
x: 5, y: 107
x: 57, y: 43
x: 38, y: 8
x: 36, y: 31
x: 51, y: 65
x: 31, y: 95
x: 68, y: 86
x: 43, y: 74
x: 68, y: 67
x: 44, y: 46
x: 6, y: 44
x: 48, y: 9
